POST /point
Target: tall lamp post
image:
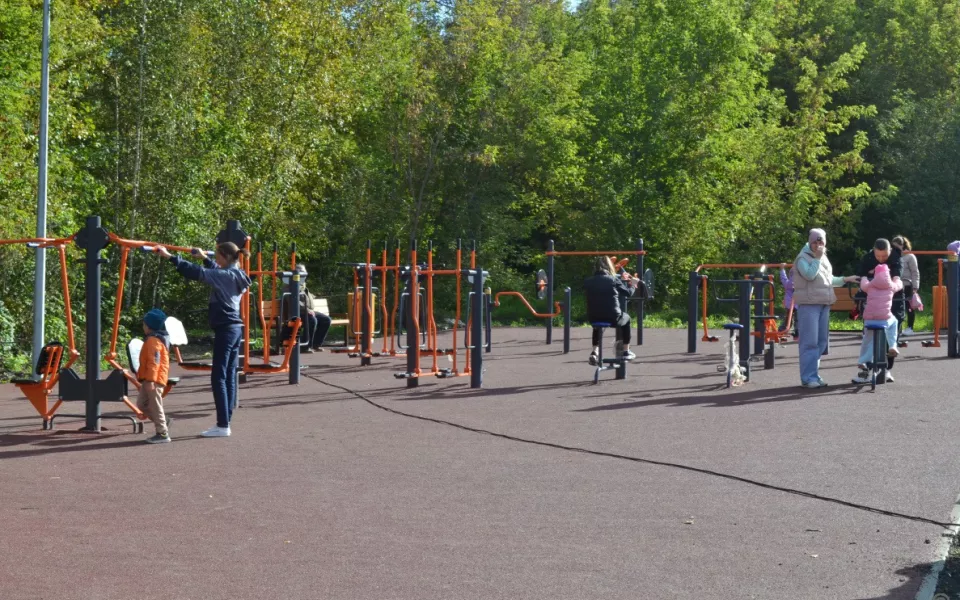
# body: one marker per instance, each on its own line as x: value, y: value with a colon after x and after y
x: 39, y: 281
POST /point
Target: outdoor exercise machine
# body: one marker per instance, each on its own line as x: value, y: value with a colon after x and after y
x: 90, y: 389
x: 945, y: 302
x: 365, y: 296
x: 752, y: 313
x: 540, y: 291
x: 289, y: 306
x: 646, y: 277
x: 477, y: 319
x: 698, y: 300
x: 231, y: 233
x: 46, y: 373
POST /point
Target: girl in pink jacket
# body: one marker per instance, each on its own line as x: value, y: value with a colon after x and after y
x: 878, y: 311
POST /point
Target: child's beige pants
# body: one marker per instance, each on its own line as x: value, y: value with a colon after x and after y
x: 151, y: 402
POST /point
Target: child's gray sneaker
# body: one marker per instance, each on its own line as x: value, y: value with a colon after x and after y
x: 159, y: 439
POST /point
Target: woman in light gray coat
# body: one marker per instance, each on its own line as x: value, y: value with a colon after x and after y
x: 813, y: 294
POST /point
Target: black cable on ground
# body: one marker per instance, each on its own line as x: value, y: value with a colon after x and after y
x: 760, y: 484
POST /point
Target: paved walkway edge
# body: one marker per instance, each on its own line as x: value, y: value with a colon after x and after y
x: 929, y: 585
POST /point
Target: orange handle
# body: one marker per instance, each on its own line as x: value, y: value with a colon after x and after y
x: 496, y: 302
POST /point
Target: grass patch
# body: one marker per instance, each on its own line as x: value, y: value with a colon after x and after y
x: 949, y: 582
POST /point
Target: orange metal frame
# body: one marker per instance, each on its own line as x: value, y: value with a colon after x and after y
x: 126, y: 245
x: 38, y: 393
x: 431, y: 324
x: 294, y: 324
x: 939, y: 294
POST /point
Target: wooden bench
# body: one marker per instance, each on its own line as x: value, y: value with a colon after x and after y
x: 270, y: 310
x: 337, y: 320
x: 845, y: 300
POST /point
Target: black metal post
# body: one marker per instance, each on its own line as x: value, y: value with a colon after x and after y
x: 476, y: 333
x: 93, y: 239
x: 232, y: 233
x: 692, y: 305
x: 366, y: 335
x: 488, y: 318
x: 757, y: 308
x: 745, y: 286
x: 413, y: 329
x: 642, y: 302
x: 953, y: 305
x: 567, y: 298
x: 295, y: 314
x: 549, y: 289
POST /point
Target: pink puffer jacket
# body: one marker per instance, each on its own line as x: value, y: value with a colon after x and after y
x: 880, y: 293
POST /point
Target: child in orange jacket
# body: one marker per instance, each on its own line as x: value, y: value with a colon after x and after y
x: 153, y: 372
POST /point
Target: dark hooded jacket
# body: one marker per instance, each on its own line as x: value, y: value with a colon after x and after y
x: 606, y: 295
x: 226, y: 288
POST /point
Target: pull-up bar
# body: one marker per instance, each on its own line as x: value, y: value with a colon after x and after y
x: 639, y: 252
x: 740, y: 266
x: 595, y: 252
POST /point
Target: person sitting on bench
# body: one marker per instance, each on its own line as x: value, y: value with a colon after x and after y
x: 318, y: 324
x: 606, y: 296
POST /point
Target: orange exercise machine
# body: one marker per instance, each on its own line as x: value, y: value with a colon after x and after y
x: 478, y: 319
x: 48, y: 365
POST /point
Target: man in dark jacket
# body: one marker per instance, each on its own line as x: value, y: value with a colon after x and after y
x: 607, y: 296
x: 885, y: 253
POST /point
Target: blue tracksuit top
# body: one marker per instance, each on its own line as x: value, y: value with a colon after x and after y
x: 226, y: 288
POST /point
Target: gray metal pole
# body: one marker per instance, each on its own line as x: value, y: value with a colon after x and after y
x: 366, y: 335
x: 567, y: 296
x: 40, y: 266
x: 758, y: 306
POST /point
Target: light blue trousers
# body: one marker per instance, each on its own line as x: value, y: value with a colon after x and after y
x: 813, y: 324
x: 866, y: 346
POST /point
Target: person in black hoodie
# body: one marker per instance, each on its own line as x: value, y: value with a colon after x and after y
x: 227, y: 284
x: 607, y: 296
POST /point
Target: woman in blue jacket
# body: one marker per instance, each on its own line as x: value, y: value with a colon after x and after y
x: 227, y: 284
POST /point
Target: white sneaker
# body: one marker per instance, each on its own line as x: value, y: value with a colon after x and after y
x: 889, y: 377
x: 216, y: 432
x: 908, y: 331
x: 861, y: 379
